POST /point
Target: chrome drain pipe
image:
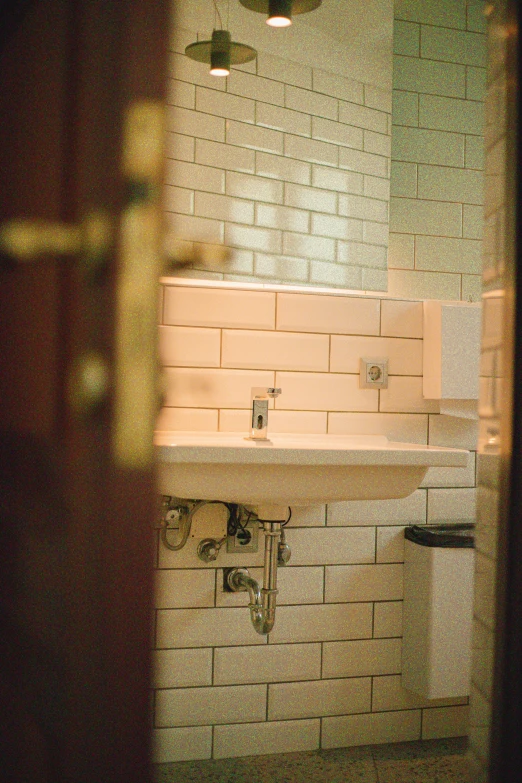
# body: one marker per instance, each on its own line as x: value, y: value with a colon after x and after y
x: 262, y: 600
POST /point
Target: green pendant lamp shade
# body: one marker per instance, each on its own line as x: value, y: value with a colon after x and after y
x: 279, y: 12
x: 220, y: 52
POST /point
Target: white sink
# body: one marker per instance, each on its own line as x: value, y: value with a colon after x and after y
x: 294, y: 469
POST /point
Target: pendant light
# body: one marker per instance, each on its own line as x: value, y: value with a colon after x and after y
x: 279, y: 12
x: 221, y: 51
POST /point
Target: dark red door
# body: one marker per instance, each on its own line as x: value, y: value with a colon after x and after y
x: 81, y: 85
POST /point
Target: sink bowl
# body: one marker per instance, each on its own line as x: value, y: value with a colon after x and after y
x: 293, y: 469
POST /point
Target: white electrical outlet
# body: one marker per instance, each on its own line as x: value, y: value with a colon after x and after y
x: 373, y: 374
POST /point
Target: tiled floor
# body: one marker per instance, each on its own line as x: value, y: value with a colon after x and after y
x: 434, y: 761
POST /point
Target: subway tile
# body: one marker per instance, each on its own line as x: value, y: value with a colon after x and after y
x: 268, y: 737
x: 363, y: 162
x: 452, y: 505
x: 272, y: 663
x: 371, y: 729
x: 451, y: 114
x: 181, y: 744
x: 404, y: 394
x: 388, y: 694
x: 205, y: 628
x: 310, y: 150
x: 419, y: 145
x: 336, y: 275
x: 337, y: 227
x: 346, y: 583
x: 390, y: 544
x: 443, y: 13
x: 256, y: 87
x: 376, y: 187
x: 318, y: 546
x: 284, y: 70
x: 445, y: 722
x: 445, y: 184
x: 324, y: 391
x: 315, y: 699
x: 404, y: 355
x: 474, y: 152
x: 194, y: 176
x: 181, y: 94
x: 220, y: 308
x: 359, y: 254
x: 285, y: 218
x: 178, y: 200
x: 280, y: 421
x: 179, y: 147
x: 406, y: 427
x: 401, y: 251
x: 405, y: 108
x: 444, y: 254
x: 387, y: 619
x: 452, y: 477
x: 281, y: 268
x: 294, y: 585
x: 361, y: 658
x: 429, y: 76
x: 403, y: 179
x: 175, y: 589
x: 338, y: 86
x: 240, y: 261
x: 456, y: 46
x: 308, y: 516
x: 363, y: 207
x: 245, y: 186
x: 471, y: 288
x: 406, y: 38
x: 375, y: 233
x: 378, y: 143
x: 408, y: 510
x: 200, y: 388
x: 187, y: 419
x: 423, y: 285
x: 190, y: 123
x: 192, y: 228
x: 401, y: 318
x: 308, y: 246
x: 200, y: 706
x: 321, y: 622
x: 377, y: 98
x: 254, y: 137
x: 453, y: 432
x: 363, y: 117
x: 315, y: 313
x: 313, y: 103
x: 225, y: 156
x: 182, y: 668
x: 286, y: 120
x: 476, y: 17
x: 180, y: 38
x: 253, y: 238
x: 310, y: 198
x: 221, y: 104
x: 224, y: 208
x: 284, y: 169
x: 339, y: 133
x: 275, y: 350
x: 334, y: 179
x: 435, y: 218
x: 475, y: 84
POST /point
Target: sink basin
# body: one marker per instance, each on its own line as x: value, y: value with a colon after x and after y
x: 293, y: 469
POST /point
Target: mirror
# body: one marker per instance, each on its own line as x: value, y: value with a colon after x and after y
x: 287, y: 160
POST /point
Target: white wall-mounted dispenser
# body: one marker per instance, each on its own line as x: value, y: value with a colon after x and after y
x: 451, y: 355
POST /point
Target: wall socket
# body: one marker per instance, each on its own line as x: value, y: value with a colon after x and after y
x: 244, y: 540
x: 373, y: 374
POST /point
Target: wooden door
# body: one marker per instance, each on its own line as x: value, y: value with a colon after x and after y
x: 81, y: 85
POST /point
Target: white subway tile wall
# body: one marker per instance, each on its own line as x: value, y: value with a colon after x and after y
x: 263, y: 161
x: 437, y: 171
x: 331, y: 667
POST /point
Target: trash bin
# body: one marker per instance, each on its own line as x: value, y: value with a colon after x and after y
x: 438, y: 609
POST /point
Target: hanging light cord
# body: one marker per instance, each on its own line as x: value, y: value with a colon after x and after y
x: 218, y: 15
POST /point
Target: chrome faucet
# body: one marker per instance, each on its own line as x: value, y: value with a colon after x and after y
x: 260, y: 397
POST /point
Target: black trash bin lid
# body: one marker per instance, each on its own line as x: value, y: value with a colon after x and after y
x: 457, y: 535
